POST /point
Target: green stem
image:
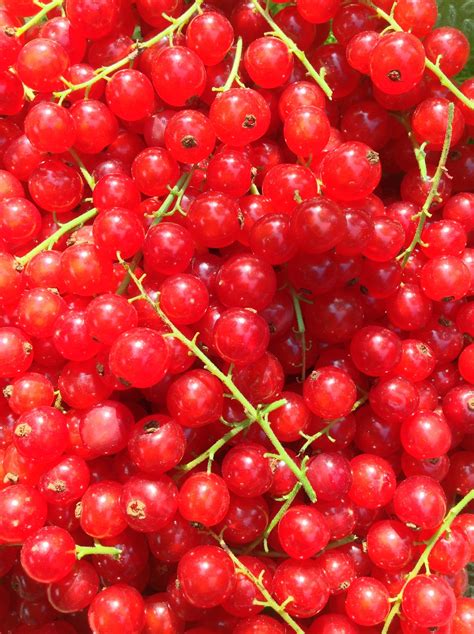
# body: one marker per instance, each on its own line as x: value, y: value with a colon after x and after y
x: 97, y: 549
x: 176, y: 192
x: 269, y: 600
x: 234, y: 71
x: 434, y: 68
x: 423, y: 560
x: 301, y: 332
x: 425, y: 210
x: 135, y: 50
x: 281, y: 35
x: 38, y: 17
x: 418, y: 150
x: 253, y: 413
x: 325, y: 430
x: 49, y: 242
x: 213, y: 449
x: 281, y: 511
x: 83, y: 169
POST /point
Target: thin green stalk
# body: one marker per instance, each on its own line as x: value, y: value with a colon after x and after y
x: 83, y: 169
x: 97, y: 549
x: 301, y: 330
x: 104, y: 72
x: 213, y: 449
x: 253, y: 413
x: 234, y: 71
x: 423, y: 560
x: 325, y: 431
x: 281, y: 511
x: 269, y: 600
x: 425, y: 210
x: 176, y: 192
x: 418, y: 150
x: 281, y: 35
x: 434, y: 68
x: 49, y: 242
x: 38, y: 17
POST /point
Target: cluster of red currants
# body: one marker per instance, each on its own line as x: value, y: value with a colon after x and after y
x: 237, y: 318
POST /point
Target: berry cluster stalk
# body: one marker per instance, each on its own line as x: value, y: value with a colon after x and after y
x: 301, y: 55
x: 45, y: 9
x: 255, y: 414
x: 106, y: 71
x: 425, y: 210
x: 434, y: 68
x: 269, y: 601
x: 423, y: 560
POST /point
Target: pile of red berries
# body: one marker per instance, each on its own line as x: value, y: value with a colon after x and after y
x: 237, y: 318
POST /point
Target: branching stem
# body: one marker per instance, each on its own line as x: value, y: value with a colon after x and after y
x: 255, y: 414
x: 281, y: 35
x: 423, y: 560
x: 425, y: 210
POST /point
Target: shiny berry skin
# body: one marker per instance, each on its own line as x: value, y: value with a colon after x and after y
x: 195, y: 398
x: 100, y: 512
x: 241, y: 601
x: 189, y: 136
x: 168, y: 249
x: 445, y: 278
x: 41, y: 432
x: 350, y: 172
x: 239, y: 116
x: 425, y: 435
x: 29, y: 391
x: 41, y: 63
x: 130, y: 95
x: 303, y: 532
x: 16, y: 352
x: 420, y: 501
x: 429, y: 122
x: 76, y: 590
x: 178, y: 75
x: 416, y: 17
x: 318, y: 225
x: 375, y: 350
x: 153, y: 170
x: 66, y: 481
x: 48, y: 555
x: 268, y: 62
x: 206, y: 576
x: 54, y: 186
x: 397, y: 63
x: 367, y: 601
x: 451, y: 552
x: 428, y: 601
x: 156, y: 444
x: 241, y: 336
x: 305, y: 582
x: 204, y: 498
x: 246, y: 281
x: 139, y: 357
x: 107, y: 316
x: 119, y: 607
x: 373, y: 481
x: 50, y: 128
x: 184, y: 299
x: 149, y: 505
x: 22, y: 513
x: 213, y: 220
x: 390, y: 545
x: 246, y: 471
x: 330, y: 476
x: 329, y: 393
x: 448, y: 47
x: 393, y: 400
x: 210, y: 35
